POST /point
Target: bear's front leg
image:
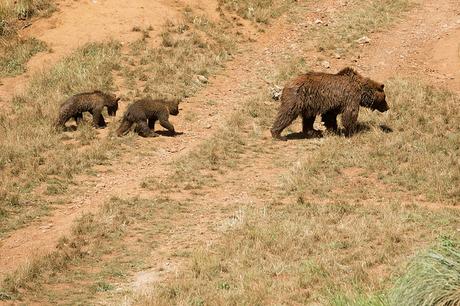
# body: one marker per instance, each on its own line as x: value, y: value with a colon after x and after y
x: 349, y: 119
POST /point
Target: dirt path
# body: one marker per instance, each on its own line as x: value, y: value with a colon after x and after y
x: 387, y: 54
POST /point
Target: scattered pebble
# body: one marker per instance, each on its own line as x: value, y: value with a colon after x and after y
x: 363, y: 40
x: 326, y: 64
x: 276, y: 92
x: 202, y: 79
x: 318, y: 21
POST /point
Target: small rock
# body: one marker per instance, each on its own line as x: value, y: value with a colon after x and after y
x: 363, y: 40
x: 208, y: 126
x: 202, y: 79
x: 318, y: 21
x: 326, y: 64
x: 276, y: 92
x: 337, y: 55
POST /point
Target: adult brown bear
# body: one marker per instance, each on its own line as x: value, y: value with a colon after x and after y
x: 329, y: 95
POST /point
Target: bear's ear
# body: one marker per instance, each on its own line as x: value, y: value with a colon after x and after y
x: 117, y: 99
x: 382, y: 86
x: 347, y: 71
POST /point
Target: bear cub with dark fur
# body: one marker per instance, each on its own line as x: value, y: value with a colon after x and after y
x: 145, y: 112
x: 92, y: 102
x: 328, y: 95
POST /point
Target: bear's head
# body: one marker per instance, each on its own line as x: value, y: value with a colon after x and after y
x: 373, y: 96
x: 174, y: 107
x: 112, y: 104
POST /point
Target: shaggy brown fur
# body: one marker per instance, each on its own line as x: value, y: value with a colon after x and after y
x: 145, y: 113
x: 92, y: 102
x: 327, y: 94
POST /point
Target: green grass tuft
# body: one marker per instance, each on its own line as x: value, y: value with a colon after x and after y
x: 18, y: 54
x: 432, y: 278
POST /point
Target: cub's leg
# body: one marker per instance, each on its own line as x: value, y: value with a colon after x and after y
x: 164, y: 122
x: 144, y: 130
x: 125, y: 125
x: 98, y: 119
x: 78, y: 118
x: 152, y: 123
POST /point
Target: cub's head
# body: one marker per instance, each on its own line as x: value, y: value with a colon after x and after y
x: 173, y: 107
x: 373, y: 96
x: 112, y: 104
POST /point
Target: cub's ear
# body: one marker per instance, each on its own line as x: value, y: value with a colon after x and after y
x: 382, y: 86
x: 117, y: 99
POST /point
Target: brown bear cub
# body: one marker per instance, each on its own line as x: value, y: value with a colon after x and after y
x: 145, y: 112
x: 328, y: 95
x: 92, y: 102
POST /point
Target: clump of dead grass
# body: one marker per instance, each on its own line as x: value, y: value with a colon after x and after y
x: 219, y: 151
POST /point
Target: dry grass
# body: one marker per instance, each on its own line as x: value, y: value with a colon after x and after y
x: 362, y: 18
x: 302, y: 253
x: 218, y: 151
x: 15, y: 52
x: 92, y: 236
x: 16, y: 55
x: 32, y: 152
x: 195, y: 46
x: 261, y: 11
x: 11, y: 11
x: 419, y: 157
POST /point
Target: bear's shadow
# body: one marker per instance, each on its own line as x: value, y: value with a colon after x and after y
x: 168, y: 133
x: 361, y: 127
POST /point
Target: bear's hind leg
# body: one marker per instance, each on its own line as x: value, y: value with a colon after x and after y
x: 307, y: 127
x: 282, y: 121
x: 124, y: 127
